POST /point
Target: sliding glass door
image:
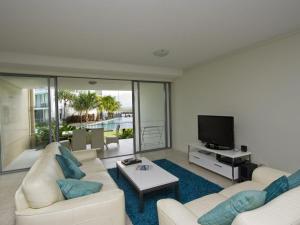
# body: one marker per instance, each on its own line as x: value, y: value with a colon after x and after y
x: 107, y: 107
x: 36, y: 110
x: 152, y: 115
x: 26, y: 109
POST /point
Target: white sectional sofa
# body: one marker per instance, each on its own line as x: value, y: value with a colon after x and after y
x: 283, y: 210
x: 39, y: 200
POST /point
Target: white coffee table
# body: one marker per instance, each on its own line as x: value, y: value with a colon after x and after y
x: 147, y: 181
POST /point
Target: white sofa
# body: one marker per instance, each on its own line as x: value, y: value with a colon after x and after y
x: 284, y: 210
x: 39, y: 200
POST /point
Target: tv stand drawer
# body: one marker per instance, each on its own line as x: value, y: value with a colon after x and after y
x: 209, y: 162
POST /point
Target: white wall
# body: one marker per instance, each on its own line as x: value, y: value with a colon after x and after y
x: 260, y: 87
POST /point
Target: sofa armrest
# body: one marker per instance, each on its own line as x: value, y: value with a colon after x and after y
x: 172, y: 212
x: 105, y: 208
x: 83, y: 155
x: 266, y: 175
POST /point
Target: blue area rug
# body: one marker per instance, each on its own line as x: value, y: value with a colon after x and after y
x: 191, y: 186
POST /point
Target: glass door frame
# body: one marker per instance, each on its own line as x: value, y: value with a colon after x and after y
x: 49, y: 79
x: 167, y: 116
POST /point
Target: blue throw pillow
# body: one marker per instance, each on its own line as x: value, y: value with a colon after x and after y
x: 294, y: 180
x: 225, y: 212
x: 75, y: 188
x: 276, y: 188
x: 68, y: 154
x: 69, y: 168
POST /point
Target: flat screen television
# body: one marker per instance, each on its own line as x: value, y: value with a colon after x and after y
x: 216, y: 131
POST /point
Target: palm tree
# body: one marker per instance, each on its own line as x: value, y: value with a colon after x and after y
x: 78, y: 106
x: 111, y: 105
x: 85, y: 102
x: 100, y: 107
x: 116, y: 105
x: 67, y: 97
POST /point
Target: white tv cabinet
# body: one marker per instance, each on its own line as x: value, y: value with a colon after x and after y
x: 205, y: 157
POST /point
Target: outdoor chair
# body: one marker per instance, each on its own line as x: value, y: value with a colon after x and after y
x: 97, y: 139
x: 113, y: 139
x: 79, y: 139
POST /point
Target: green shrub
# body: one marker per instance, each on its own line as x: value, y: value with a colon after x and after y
x: 42, y: 132
x: 126, y: 133
x: 65, y: 127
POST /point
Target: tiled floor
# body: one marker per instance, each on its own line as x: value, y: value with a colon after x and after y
x: 25, y: 160
x: 181, y: 159
x: 8, y: 186
x: 10, y: 182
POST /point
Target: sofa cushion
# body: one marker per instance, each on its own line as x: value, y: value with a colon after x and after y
x: 245, y: 186
x: 72, y: 188
x: 20, y: 199
x: 276, y: 188
x: 266, y: 175
x: 225, y: 212
x: 93, y: 165
x: 104, y: 178
x: 202, y: 205
x: 68, y: 154
x: 85, y: 155
x: 69, y: 168
x: 52, y: 149
x: 39, y: 185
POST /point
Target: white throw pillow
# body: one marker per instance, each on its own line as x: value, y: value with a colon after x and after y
x: 39, y: 185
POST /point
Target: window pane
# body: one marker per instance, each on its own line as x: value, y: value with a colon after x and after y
x: 152, y: 116
x: 23, y: 120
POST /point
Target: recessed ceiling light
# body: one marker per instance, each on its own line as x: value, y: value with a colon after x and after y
x: 92, y: 82
x: 161, y: 52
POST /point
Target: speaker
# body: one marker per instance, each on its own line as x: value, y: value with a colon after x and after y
x: 244, y: 148
x: 246, y: 170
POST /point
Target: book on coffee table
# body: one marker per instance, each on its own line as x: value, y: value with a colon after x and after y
x: 143, y: 167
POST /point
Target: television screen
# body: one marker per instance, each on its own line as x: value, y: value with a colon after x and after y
x: 216, y: 131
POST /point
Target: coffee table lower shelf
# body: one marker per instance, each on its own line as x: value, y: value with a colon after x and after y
x: 141, y: 193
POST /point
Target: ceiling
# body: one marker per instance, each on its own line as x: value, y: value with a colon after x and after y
x: 129, y: 31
